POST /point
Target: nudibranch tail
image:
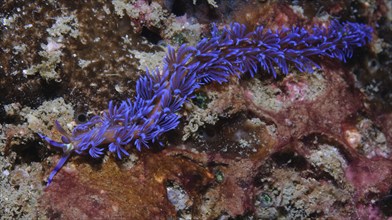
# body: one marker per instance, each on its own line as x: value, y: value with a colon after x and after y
x: 67, y: 151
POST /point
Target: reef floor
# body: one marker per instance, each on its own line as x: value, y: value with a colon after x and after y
x: 299, y: 146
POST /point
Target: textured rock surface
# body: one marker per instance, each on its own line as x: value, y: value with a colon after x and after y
x: 300, y: 146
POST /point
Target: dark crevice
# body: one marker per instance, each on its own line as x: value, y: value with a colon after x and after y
x: 385, y: 204
x: 178, y: 8
x: 151, y: 36
x: 29, y: 152
x: 290, y: 159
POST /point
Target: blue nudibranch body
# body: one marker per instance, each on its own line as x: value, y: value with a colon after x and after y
x: 160, y: 94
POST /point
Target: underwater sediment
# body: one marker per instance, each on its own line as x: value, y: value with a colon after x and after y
x: 293, y: 146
